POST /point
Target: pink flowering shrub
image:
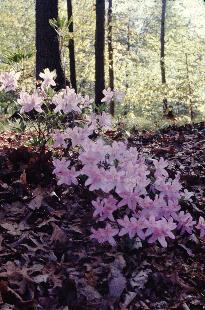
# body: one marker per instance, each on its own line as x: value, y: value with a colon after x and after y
x: 133, y: 197
x: 134, y: 200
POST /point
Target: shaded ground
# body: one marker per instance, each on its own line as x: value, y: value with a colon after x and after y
x: 47, y: 260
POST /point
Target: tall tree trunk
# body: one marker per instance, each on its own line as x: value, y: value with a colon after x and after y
x: 162, y: 49
x: 110, y: 55
x: 99, y: 51
x: 127, y: 108
x: 47, y: 41
x: 71, y: 46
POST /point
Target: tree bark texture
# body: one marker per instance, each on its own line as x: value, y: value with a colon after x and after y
x: 71, y: 46
x: 99, y: 51
x: 47, y: 41
x: 110, y: 55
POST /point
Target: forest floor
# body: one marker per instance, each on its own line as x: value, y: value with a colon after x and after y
x: 47, y: 260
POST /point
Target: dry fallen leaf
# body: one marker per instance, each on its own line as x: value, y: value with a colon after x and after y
x: 36, y: 202
x: 140, y: 279
x: 1, y: 240
x: 58, y: 234
x: 23, y: 178
x: 117, y: 281
x: 12, y: 228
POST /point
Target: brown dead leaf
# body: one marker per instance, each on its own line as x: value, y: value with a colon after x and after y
x: 1, y: 299
x: 12, y: 228
x: 58, y: 234
x: 23, y: 178
x: 117, y: 285
x: 128, y: 299
x: 138, y: 280
x: 117, y: 281
x: 1, y: 240
x: 174, y: 277
x: 35, y: 203
x: 91, y: 277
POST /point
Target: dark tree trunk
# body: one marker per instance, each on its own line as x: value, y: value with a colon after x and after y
x: 127, y: 108
x: 162, y: 41
x: 47, y: 41
x: 99, y: 51
x: 71, y: 46
x: 162, y: 49
x: 110, y: 55
x: 128, y: 53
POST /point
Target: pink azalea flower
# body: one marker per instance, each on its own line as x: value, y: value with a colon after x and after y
x: 92, y: 121
x: 131, y: 155
x: 104, y: 208
x: 160, y: 230
x: 130, y: 199
x: 30, y: 102
x: 125, y: 223
x: 48, y: 78
x: 109, y: 94
x: 106, y: 234
x: 66, y: 101
x: 59, y: 139
x: 118, y: 150
x: 185, y: 222
x: 101, y: 145
x: 133, y: 226
x: 113, y: 179
x: 160, y: 166
x: 170, y: 189
x: 131, y: 177
x: 86, y: 101
x: 95, y: 177
x: 152, y: 207
x: 98, y: 205
x: 201, y: 226
x: 68, y: 176
x: 170, y: 209
x: 9, y: 80
x: 60, y: 165
x: 78, y: 136
x: 94, y: 152
x: 64, y: 174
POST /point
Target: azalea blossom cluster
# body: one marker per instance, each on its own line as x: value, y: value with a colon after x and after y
x: 65, y: 101
x: 8, y: 81
x: 134, y: 198
x: 112, y: 95
x: 68, y: 101
x: 79, y: 135
x: 30, y: 102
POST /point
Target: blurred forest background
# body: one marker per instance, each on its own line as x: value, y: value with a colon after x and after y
x: 136, y: 33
